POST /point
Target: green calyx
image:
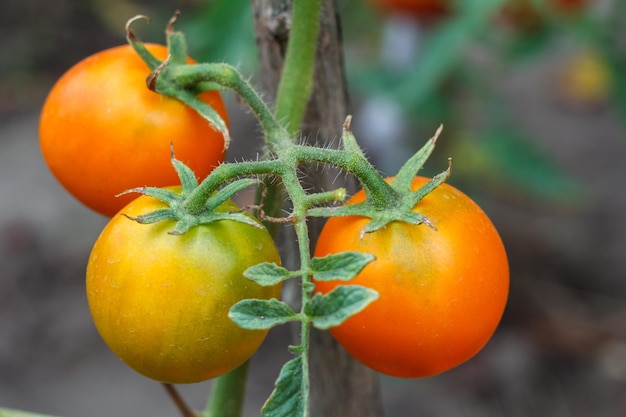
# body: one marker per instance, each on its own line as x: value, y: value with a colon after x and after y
x: 392, y: 201
x: 216, y: 207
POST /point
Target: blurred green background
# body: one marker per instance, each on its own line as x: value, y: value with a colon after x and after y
x: 532, y: 96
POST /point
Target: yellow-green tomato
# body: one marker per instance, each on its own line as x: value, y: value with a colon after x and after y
x: 161, y: 301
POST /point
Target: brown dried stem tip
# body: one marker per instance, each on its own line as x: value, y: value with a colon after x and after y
x: 152, y: 78
x: 169, y: 29
x: 130, y: 35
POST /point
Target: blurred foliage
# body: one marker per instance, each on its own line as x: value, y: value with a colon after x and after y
x: 222, y: 31
x: 429, y: 68
x: 454, y: 60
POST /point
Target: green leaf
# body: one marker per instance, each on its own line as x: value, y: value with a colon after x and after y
x: 342, y: 266
x: 267, y: 274
x: 335, y: 307
x: 290, y: 395
x: 254, y: 314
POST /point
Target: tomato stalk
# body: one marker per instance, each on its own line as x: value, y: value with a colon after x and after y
x: 226, y: 399
x: 173, y: 393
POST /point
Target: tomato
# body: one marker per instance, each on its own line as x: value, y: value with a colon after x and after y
x: 416, y: 8
x: 102, y: 131
x: 442, y: 292
x: 161, y: 301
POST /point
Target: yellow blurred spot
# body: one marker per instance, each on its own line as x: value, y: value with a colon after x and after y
x: 587, y: 79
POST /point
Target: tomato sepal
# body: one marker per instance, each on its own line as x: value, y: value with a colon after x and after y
x: 164, y: 80
x: 413, y: 165
x: 217, y: 207
x: 392, y: 200
x: 416, y: 196
x: 151, y: 61
x: 152, y: 217
x: 188, y: 180
x: 226, y: 192
x: 191, y: 99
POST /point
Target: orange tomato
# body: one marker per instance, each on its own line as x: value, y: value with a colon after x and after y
x: 442, y: 292
x: 102, y: 131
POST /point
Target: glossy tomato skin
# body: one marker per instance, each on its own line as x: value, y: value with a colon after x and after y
x: 102, y: 131
x: 442, y: 292
x: 160, y: 301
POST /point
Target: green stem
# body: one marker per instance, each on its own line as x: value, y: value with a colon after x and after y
x: 296, y: 83
x: 224, y: 173
x: 299, y: 197
x: 354, y: 163
x: 228, y: 393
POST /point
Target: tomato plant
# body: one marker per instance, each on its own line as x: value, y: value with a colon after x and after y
x: 183, y: 286
x: 442, y: 291
x: 160, y: 301
x: 102, y: 131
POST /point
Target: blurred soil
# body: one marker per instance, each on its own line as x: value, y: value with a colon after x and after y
x: 560, y: 351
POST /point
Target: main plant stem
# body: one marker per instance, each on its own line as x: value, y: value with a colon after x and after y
x: 296, y: 83
x: 294, y: 91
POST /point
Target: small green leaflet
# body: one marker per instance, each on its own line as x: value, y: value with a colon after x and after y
x: 343, y: 266
x: 290, y: 396
x: 267, y: 274
x: 254, y: 314
x: 334, y: 308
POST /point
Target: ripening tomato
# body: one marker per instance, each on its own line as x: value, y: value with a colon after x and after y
x: 161, y: 301
x: 415, y: 8
x: 102, y: 131
x: 442, y: 292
